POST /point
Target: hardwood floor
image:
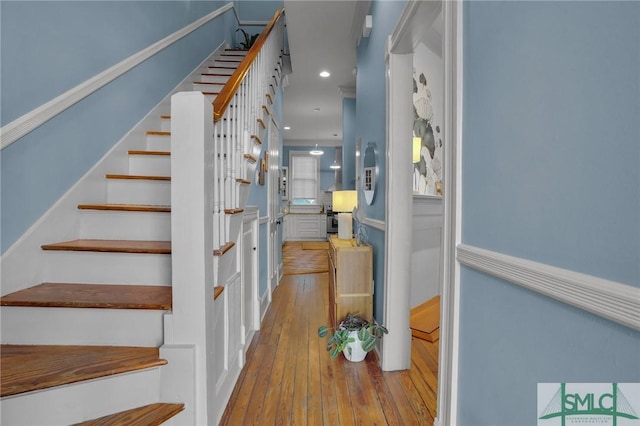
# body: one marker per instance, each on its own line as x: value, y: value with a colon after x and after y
x: 289, y: 378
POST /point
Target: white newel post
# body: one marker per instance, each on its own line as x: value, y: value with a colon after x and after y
x: 187, y: 327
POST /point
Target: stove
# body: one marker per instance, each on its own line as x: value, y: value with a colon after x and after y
x: 332, y: 222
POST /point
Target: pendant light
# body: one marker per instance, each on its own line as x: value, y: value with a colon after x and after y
x: 316, y: 151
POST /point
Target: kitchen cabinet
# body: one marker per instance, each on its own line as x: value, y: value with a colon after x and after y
x: 305, y: 226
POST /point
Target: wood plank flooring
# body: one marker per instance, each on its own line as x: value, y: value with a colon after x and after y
x: 297, y: 260
x: 290, y: 379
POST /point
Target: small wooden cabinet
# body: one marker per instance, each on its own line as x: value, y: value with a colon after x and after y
x: 350, y: 279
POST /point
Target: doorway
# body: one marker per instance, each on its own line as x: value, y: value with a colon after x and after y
x: 416, y: 27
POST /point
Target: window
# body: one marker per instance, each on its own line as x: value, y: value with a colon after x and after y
x: 304, y: 177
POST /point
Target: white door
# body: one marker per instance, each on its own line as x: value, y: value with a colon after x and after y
x: 273, y: 203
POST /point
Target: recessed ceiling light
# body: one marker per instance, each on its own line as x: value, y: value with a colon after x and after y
x: 316, y: 109
x: 324, y: 74
x: 287, y: 127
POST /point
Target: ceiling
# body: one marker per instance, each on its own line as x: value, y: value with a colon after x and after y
x: 322, y: 36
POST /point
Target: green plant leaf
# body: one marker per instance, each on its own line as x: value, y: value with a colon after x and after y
x: 363, y: 334
x: 323, y: 330
x: 334, y: 353
x: 369, y: 344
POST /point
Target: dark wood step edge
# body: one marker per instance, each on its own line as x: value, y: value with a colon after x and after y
x: 127, y: 207
x: 91, y: 296
x: 112, y: 246
x: 147, y: 415
x: 27, y: 368
x: 225, y: 248
x: 137, y: 177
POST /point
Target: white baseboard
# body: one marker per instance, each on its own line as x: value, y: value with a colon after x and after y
x: 615, y: 301
x: 264, y: 305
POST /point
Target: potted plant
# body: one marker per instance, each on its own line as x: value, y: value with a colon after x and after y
x: 354, y: 337
x: 249, y: 40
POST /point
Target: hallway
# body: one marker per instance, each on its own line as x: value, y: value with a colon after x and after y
x: 289, y: 378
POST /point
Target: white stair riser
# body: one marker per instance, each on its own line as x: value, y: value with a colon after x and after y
x: 210, y: 98
x: 235, y: 222
x: 199, y: 87
x: 250, y: 169
x: 236, y: 52
x: 128, y: 191
x: 108, y: 268
x: 223, y: 71
x: 244, y: 194
x: 165, y: 124
x: 150, y: 165
x: 123, y: 225
x: 225, y: 266
x: 159, y: 142
x: 78, y: 326
x: 214, y: 79
x: 70, y: 404
x: 225, y: 64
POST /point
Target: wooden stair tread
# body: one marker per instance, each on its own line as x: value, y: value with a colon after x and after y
x: 137, y: 177
x: 225, y: 248
x: 425, y: 320
x: 148, y: 415
x: 209, y: 83
x: 141, y: 152
x: 26, y: 368
x: 101, y: 296
x: 127, y: 207
x: 113, y: 246
x: 158, y: 133
x: 217, y: 291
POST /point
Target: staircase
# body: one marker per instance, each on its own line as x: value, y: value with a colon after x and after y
x: 84, y: 347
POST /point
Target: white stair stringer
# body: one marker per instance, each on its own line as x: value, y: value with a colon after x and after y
x: 108, y: 268
x: 125, y: 225
x: 81, y: 326
x: 86, y: 400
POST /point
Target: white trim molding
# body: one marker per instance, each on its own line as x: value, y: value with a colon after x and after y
x: 374, y: 223
x: 609, y: 299
x: 37, y: 117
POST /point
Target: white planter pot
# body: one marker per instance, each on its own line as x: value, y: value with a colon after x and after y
x: 356, y: 354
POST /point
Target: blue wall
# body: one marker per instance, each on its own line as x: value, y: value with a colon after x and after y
x: 49, y: 47
x: 257, y: 10
x: 550, y: 173
x: 370, y: 123
x: 349, y: 143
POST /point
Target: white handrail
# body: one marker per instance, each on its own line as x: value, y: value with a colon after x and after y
x: 19, y: 127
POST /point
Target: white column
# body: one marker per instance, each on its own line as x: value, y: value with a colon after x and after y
x: 192, y: 232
